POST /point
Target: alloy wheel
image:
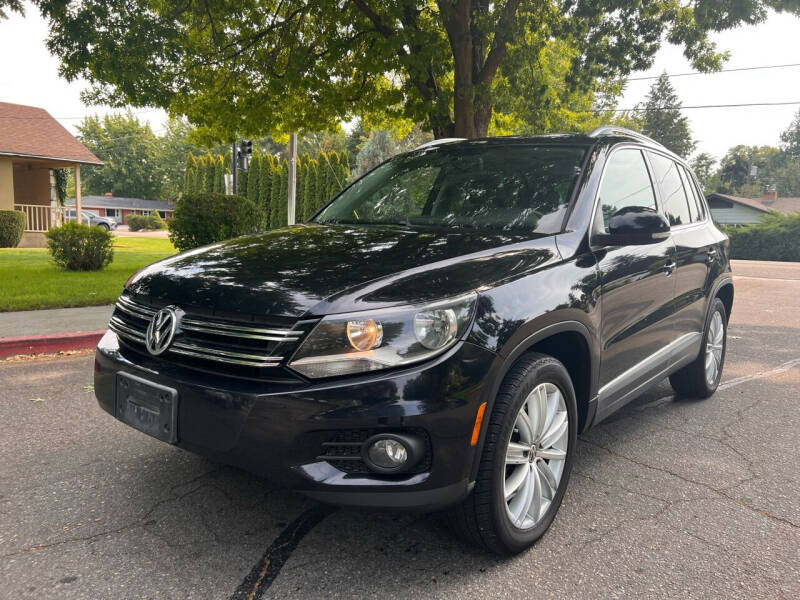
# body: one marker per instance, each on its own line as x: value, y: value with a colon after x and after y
x: 535, y: 455
x: 714, y: 344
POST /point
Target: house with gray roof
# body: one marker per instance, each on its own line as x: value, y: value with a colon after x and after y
x: 120, y: 208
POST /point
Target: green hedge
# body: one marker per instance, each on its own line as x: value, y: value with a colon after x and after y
x: 266, y: 182
x: 12, y: 226
x: 137, y: 222
x: 78, y: 247
x: 207, y: 218
x: 777, y: 237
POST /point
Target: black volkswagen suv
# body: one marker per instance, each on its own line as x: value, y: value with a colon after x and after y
x: 438, y: 335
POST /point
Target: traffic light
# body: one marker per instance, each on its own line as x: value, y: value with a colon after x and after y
x: 244, y: 153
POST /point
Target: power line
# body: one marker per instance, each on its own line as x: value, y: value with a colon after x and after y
x: 690, y: 73
x: 744, y: 104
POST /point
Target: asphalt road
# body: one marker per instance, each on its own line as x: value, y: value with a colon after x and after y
x: 669, y: 498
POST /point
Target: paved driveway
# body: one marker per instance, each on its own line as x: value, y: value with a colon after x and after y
x: 669, y: 498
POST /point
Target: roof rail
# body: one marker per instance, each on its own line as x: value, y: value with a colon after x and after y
x: 438, y: 142
x: 614, y: 130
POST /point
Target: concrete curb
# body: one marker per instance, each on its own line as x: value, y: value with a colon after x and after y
x: 41, y: 344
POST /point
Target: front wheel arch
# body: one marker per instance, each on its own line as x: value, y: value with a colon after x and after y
x: 549, y: 340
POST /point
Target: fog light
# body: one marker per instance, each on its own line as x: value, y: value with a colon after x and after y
x: 389, y: 454
x: 392, y: 453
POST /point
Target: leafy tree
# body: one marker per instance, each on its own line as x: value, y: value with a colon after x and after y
x: 791, y: 137
x: 128, y: 151
x: 703, y: 167
x: 379, y: 146
x: 171, y: 153
x: 305, y: 66
x: 355, y: 138
x: 662, y: 119
x: 736, y: 172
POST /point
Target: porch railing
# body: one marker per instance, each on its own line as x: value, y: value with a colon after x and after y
x: 41, y: 217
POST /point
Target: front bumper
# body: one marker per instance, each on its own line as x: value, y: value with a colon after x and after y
x: 276, y: 429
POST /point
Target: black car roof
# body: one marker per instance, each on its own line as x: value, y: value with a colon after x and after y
x: 611, y: 137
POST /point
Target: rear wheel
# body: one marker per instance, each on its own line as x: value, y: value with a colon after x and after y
x: 526, y: 461
x: 700, y: 379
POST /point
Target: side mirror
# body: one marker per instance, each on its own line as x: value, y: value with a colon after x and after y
x: 634, y: 226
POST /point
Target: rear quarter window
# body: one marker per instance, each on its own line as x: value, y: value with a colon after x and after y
x: 673, y: 196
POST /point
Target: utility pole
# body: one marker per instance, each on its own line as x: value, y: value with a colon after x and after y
x: 292, y: 176
x: 234, y: 166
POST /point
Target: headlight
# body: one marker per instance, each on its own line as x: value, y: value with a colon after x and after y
x: 382, y: 339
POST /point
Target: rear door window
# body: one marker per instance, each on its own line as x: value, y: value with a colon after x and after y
x: 670, y: 185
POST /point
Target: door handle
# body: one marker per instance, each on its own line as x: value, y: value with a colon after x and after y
x: 712, y: 254
x: 669, y: 267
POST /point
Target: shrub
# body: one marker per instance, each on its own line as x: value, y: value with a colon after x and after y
x: 12, y: 226
x: 154, y: 221
x: 208, y: 218
x: 137, y: 222
x: 78, y: 247
x: 777, y: 237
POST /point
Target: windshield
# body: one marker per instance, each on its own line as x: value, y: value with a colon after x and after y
x: 509, y: 187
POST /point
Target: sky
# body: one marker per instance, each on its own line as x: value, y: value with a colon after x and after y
x: 29, y: 75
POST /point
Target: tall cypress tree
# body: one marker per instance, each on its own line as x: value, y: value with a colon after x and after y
x: 299, y: 210
x: 241, y: 182
x: 208, y: 174
x: 283, y: 208
x: 275, y: 195
x: 265, y: 185
x: 219, y: 174
x: 254, y: 178
x: 309, y: 189
x: 319, y: 184
x: 189, y: 176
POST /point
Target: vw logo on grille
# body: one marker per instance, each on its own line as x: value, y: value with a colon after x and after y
x: 161, y: 330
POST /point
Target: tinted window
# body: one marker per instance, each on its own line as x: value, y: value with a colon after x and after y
x: 625, y: 183
x: 673, y: 196
x: 521, y: 188
x: 695, y: 201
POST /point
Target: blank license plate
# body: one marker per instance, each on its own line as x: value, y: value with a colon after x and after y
x: 149, y: 407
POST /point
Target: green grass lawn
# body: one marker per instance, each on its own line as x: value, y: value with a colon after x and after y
x: 29, y: 279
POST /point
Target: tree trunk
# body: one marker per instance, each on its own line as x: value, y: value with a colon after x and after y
x: 482, y: 113
x: 457, y: 20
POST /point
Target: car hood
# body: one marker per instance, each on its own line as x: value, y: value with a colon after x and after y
x: 308, y: 270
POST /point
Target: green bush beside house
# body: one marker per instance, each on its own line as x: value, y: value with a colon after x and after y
x: 12, y: 226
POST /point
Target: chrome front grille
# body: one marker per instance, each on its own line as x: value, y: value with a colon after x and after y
x: 210, y: 340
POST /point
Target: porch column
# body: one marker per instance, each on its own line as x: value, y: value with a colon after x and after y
x: 6, y: 184
x: 78, y: 217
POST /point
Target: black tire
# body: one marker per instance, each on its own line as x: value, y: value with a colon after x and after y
x: 482, y: 518
x: 691, y: 380
x: 103, y: 226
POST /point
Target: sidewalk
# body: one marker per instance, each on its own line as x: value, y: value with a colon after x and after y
x: 54, y: 321
x: 52, y: 330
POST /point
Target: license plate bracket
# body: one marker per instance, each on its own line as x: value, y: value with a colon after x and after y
x: 150, y: 407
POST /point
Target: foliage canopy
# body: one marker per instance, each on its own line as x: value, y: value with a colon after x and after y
x: 259, y: 67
